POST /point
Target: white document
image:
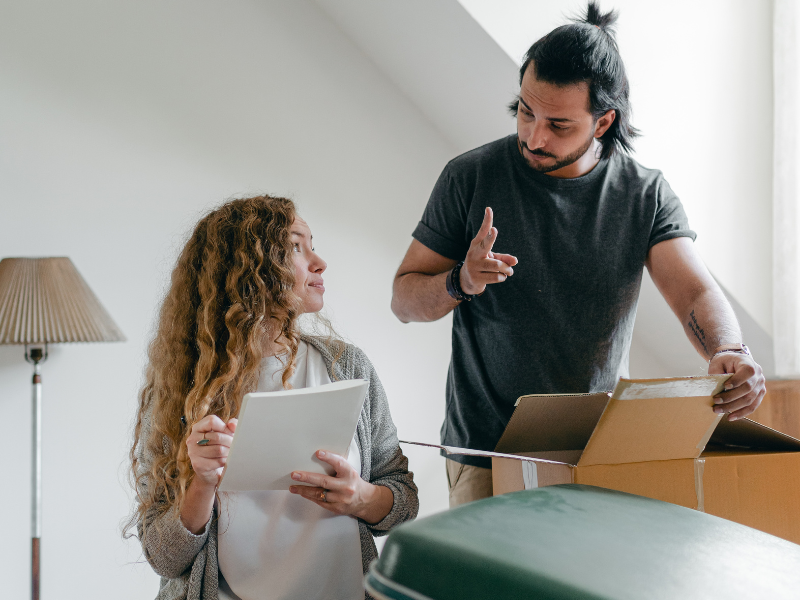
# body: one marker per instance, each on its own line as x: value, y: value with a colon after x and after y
x: 280, y: 432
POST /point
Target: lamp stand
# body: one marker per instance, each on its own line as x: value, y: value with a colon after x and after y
x: 45, y: 300
x: 36, y: 356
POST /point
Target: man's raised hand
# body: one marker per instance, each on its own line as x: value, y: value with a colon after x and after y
x: 482, y: 266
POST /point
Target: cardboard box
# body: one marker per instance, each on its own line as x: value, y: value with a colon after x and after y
x: 780, y: 408
x: 658, y: 438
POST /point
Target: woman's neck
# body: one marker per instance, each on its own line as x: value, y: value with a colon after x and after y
x: 272, y: 347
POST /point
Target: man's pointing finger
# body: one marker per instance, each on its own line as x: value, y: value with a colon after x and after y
x: 486, y: 226
x: 487, y: 242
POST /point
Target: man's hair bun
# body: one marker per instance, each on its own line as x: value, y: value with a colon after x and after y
x: 595, y: 17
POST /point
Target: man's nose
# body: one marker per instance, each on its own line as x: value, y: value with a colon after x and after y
x: 537, y: 137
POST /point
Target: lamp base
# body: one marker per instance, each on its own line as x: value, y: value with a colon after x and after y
x: 35, y: 567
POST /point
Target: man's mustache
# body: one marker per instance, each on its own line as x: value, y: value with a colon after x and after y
x: 536, y: 152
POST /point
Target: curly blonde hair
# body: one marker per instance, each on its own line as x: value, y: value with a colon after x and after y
x: 231, y: 291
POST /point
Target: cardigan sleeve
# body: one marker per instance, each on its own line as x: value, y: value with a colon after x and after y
x: 389, y: 464
x: 168, y: 546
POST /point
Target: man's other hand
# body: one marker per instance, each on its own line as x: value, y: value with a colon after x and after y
x: 482, y: 266
x: 744, y: 391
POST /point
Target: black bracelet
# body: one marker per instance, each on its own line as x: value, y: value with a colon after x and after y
x: 453, y: 285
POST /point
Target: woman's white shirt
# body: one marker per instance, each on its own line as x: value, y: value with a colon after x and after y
x: 274, y: 545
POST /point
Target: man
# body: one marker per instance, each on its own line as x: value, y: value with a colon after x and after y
x: 582, y: 219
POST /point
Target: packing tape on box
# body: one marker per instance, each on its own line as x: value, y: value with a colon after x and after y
x: 699, y: 467
x: 701, y: 445
x: 530, y: 475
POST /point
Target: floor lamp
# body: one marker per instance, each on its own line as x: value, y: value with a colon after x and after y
x: 46, y: 301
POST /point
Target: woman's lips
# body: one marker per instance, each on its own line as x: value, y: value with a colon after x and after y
x: 318, y: 285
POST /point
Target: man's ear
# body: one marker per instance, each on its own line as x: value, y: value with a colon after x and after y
x: 604, y: 122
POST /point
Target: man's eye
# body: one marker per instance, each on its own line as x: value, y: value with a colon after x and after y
x: 554, y: 126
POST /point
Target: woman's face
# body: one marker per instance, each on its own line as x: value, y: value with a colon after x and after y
x: 308, y: 268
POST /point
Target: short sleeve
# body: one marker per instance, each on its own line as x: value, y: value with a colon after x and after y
x: 444, y: 223
x: 670, y: 219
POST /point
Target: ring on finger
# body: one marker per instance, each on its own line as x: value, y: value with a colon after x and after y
x: 323, y: 495
x: 204, y: 441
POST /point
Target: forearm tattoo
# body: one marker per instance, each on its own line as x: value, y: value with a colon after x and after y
x: 698, y: 331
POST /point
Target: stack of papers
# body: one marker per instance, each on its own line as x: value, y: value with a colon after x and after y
x: 280, y: 432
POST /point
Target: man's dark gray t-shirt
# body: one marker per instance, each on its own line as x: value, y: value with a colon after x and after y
x: 563, y: 322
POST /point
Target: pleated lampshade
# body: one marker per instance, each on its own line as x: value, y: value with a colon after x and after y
x: 45, y: 300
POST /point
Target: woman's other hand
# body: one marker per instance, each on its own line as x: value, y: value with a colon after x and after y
x: 345, y: 493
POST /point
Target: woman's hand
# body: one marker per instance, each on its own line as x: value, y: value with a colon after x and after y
x: 208, y: 460
x: 345, y: 493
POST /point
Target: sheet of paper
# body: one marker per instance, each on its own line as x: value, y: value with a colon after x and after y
x: 280, y: 432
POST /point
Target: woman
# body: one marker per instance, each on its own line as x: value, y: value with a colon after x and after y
x: 228, y: 326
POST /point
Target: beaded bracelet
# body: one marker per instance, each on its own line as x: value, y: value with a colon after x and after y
x: 453, y: 285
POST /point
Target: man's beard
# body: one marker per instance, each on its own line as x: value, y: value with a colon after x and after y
x: 560, y: 161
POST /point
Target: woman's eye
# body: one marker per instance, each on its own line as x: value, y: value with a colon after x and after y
x: 296, y: 247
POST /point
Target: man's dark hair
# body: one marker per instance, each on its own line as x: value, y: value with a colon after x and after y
x: 586, y: 51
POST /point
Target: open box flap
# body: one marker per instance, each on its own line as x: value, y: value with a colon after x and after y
x: 655, y: 419
x: 547, y: 423
x: 745, y: 433
x: 484, y: 453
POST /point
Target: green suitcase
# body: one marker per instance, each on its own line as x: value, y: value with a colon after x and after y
x: 575, y: 542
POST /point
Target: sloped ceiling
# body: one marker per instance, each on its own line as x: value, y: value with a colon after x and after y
x: 440, y: 58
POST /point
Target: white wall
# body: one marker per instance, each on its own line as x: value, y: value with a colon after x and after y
x: 121, y: 123
x: 701, y: 88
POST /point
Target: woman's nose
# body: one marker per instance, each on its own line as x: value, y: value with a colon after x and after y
x: 318, y: 265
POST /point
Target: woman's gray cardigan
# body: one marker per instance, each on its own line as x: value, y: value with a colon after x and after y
x: 188, y: 563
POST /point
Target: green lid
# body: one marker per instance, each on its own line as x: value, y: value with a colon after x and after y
x: 577, y: 541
